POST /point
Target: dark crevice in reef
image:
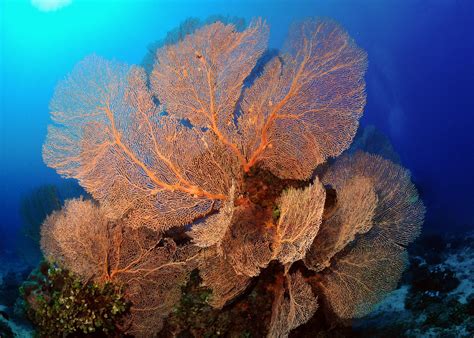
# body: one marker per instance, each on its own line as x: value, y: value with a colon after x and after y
x: 260, y: 192
x: 263, y: 188
x: 246, y: 316
x: 330, y: 204
x: 178, y: 234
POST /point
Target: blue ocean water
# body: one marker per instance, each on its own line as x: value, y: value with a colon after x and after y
x: 420, y: 80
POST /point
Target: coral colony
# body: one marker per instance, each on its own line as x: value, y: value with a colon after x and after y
x: 208, y: 164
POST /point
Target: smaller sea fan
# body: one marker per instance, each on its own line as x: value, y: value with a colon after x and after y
x: 247, y: 243
x: 78, y: 228
x: 219, y: 275
x: 356, y: 202
x: 362, y: 276
x: 361, y: 247
x: 212, y: 230
x: 301, y: 211
x: 294, y: 305
x: 400, y: 212
x: 81, y: 238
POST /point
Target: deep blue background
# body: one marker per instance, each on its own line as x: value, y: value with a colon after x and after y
x: 420, y: 81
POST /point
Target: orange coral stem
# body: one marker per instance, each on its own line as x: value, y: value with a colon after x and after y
x: 193, y: 190
x: 214, y: 127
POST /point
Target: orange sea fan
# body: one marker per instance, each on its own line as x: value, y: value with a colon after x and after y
x: 152, y: 268
x: 356, y: 203
x: 176, y: 172
x: 110, y: 134
x: 218, y: 274
x: 362, y: 276
x: 360, y: 250
x: 301, y: 212
x: 306, y: 105
x: 294, y: 305
x: 400, y: 212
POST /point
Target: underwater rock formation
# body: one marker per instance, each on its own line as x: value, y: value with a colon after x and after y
x: 436, y: 296
x: 203, y: 169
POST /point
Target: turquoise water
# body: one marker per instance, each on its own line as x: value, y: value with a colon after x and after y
x: 418, y: 82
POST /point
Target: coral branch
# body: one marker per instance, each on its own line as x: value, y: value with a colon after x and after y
x: 109, y: 135
x: 291, y: 310
x: 306, y: 105
x: 81, y: 238
x: 300, y: 216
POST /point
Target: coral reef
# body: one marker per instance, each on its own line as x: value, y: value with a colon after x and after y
x: 83, y: 239
x: 436, y: 295
x: 206, y: 164
x: 12, y: 273
x: 59, y: 304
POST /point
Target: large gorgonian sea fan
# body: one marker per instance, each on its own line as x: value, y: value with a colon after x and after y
x: 176, y: 169
x: 109, y: 133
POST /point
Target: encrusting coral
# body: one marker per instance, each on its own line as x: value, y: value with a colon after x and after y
x: 61, y: 305
x: 210, y: 167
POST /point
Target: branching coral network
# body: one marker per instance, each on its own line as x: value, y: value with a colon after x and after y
x: 208, y: 164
